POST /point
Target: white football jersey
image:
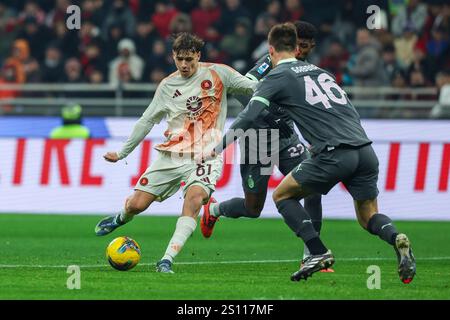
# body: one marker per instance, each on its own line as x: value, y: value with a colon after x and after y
x: 195, y: 107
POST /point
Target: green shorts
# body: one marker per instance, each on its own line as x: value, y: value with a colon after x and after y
x: 165, y: 175
x: 289, y: 157
x: 356, y: 168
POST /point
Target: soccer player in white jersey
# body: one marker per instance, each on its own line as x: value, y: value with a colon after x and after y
x: 194, y: 101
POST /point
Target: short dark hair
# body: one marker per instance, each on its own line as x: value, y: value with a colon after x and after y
x: 283, y: 37
x: 305, y: 30
x: 185, y: 41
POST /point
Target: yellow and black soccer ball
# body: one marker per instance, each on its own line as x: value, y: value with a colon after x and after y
x: 123, y: 253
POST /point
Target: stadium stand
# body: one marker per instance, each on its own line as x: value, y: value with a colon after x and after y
x: 123, y: 46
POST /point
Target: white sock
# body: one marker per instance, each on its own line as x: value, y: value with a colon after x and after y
x: 306, y: 252
x: 125, y: 217
x: 214, y: 209
x: 184, y: 228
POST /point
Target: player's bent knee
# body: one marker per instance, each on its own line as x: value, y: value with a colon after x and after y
x: 278, y: 195
x: 195, y: 199
x: 253, y: 211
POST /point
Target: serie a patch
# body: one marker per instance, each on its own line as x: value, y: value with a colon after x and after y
x: 262, y: 68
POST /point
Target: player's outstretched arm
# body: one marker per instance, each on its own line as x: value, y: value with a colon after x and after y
x: 153, y: 115
x: 267, y: 90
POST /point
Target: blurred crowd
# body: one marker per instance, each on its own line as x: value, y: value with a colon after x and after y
x: 130, y: 40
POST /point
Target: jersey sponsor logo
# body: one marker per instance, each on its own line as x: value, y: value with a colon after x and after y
x: 143, y: 181
x: 262, y: 68
x: 206, y: 84
x: 176, y: 94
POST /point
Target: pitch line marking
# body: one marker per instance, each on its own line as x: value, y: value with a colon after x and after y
x: 216, y: 262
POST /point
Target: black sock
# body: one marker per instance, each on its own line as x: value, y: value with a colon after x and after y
x: 234, y: 208
x: 316, y: 246
x: 296, y: 217
x: 313, y: 205
x: 382, y: 225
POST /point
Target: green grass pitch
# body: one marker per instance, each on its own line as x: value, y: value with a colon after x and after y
x: 244, y: 259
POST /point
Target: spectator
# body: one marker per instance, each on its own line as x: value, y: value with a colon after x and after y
x: 204, y: 20
x: 8, y: 76
x: 214, y: 54
x: 442, y: 109
x: 128, y: 56
x: 157, y: 75
x: 145, y: 36
x: 399, y: 81
x: 58, y: 13
x: 267, y: 19
x: 93, y: 10
x: 232, y: 11
x: 124, y: 73
x: 92, y: 59
x: 158, y: 58
x: 264, y: 22
x: 180, y: 23
x: 438, y: 43
x: 115, y: 34
x: 88, y: 34
x: 73, y: 71
x: 185, y: 6
x: 335, y: 60
x: 36, y: 35
x: 164, y: 13
x: 32, y: 9
x: 391, y: 65
x: 443, y: 18
x: 26, y: 68
x: 404, y: 46
x: 120, y: 14
x: 422, y: 62
x: 293, y: 10
x: 368, y: 68
x: 417, y: 79
x: 413, y: 15
x: 72, y: 127
x: 237, y: 45
x: 8, y: 24
x: 96, y: 77
x: 65, y: 40
x: 52, y: 68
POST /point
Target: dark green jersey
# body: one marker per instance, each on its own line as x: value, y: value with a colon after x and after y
x: 317, y: 105
x: 262, y: 67
x: 310, y: 96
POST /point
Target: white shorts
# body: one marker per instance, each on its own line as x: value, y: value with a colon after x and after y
x: 165, y: 175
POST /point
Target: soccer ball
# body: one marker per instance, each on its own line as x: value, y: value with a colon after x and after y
x: 123, y: 253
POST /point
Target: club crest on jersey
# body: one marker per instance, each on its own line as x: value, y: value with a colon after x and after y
x: 206, y: 84
x: 262, y: 68
x: 143, y: 181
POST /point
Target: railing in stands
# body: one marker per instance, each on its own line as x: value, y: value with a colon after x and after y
x: 132, y: 98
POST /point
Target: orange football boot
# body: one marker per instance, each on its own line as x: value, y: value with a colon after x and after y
x: 208, y: 221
